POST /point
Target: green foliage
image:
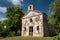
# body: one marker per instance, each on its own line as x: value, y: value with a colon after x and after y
x: 54, y: 17
x: 11, y: 34
x: 0, y: 27
x: 12, y: 26
x: 14, y: 15
x: 3, y: 29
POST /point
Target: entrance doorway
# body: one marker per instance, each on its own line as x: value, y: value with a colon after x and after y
x: 31, y: 31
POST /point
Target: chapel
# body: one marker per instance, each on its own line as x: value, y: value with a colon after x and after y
x: 35, y: 23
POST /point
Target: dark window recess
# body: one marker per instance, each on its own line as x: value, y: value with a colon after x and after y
x: 37, y: 27
x: 30, y: 20
x: 24, y: 28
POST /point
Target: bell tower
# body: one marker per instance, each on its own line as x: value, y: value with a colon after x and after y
x: 30, y: 7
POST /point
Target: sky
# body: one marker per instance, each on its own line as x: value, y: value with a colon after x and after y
x: 40, y: 5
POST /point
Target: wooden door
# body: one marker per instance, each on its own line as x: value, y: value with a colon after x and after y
x: 31, y: 31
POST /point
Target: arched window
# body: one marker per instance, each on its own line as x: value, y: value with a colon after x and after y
x: 30, y: 7
x: 31, y: 20
x: 24, y: 28
x: 38, y: 28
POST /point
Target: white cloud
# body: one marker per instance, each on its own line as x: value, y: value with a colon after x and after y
x: 1, y: 19
x: 16, y: 2
x: 3, y: 9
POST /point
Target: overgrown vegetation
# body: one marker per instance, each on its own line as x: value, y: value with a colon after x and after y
x: 54, y: 17
x: 12, y: 26
x: 32, y: 38
x: 28, y: 38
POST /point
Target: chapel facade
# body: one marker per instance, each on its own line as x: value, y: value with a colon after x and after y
x: 34, y: 23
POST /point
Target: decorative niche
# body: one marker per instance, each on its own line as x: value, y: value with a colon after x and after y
x: 25, y: 22
x: 37, y: 19
x: 24, y: 28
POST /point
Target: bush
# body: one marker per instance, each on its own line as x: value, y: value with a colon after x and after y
x: 4, y: 34
x: 11, y: 34
x: 19, y: 33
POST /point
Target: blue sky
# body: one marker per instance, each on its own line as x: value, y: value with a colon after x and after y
x: 41, y: 5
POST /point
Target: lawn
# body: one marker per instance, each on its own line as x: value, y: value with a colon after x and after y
x: 27, y: 38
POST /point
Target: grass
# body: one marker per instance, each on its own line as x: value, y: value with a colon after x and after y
x: 27, y: 38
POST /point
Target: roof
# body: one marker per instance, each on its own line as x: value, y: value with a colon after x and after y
x: 34, y: 11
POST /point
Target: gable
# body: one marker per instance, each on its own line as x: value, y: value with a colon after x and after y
x: 32, y: 13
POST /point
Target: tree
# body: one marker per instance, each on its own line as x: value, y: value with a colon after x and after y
x: 3, y: 29
x: 14, y: 15
x: 54, y: 17
x: 0, y: 27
